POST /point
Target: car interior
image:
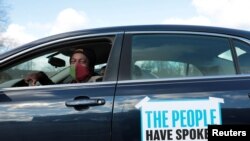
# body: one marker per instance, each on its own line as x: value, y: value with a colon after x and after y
x: 55, y: 62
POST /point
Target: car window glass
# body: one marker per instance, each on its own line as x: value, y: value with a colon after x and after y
x: 164, y: 69
x: 168, y: 56
x: 243, y: 54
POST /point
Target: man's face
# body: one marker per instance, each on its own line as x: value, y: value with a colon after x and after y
x: 79, y: 58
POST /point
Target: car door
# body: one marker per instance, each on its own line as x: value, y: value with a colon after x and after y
x: 63, y: 112
x: 185, y: 73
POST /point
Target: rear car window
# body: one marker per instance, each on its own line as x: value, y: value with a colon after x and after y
x: 171, y: 55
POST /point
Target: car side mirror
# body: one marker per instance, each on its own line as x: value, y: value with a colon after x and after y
x: 56, y: 62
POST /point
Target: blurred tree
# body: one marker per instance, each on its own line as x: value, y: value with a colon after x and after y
x: 4, y: 18
x: 5, y: 42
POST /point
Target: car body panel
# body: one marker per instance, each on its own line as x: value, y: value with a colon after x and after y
x: 31, y: 113
x: 127, y: 119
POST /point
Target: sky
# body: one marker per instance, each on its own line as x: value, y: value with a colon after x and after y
x: 34, y: 19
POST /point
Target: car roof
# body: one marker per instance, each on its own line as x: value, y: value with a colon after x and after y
x: 133, y: 28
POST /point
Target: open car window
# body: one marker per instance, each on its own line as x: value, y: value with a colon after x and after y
x: 54, y: 61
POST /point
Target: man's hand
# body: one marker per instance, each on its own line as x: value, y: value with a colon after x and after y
x: 32, y: 78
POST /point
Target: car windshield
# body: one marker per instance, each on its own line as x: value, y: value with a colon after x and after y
x: 36, y: 64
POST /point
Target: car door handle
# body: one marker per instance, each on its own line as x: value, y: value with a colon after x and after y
x: 84, y: 102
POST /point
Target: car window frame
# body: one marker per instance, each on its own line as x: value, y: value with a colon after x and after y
x: 124, y: 72
x: 114, y: 55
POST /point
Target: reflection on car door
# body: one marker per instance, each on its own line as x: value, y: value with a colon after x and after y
x: 41, y: 113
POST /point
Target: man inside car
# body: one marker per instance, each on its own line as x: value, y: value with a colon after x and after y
x: 82, y: 64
